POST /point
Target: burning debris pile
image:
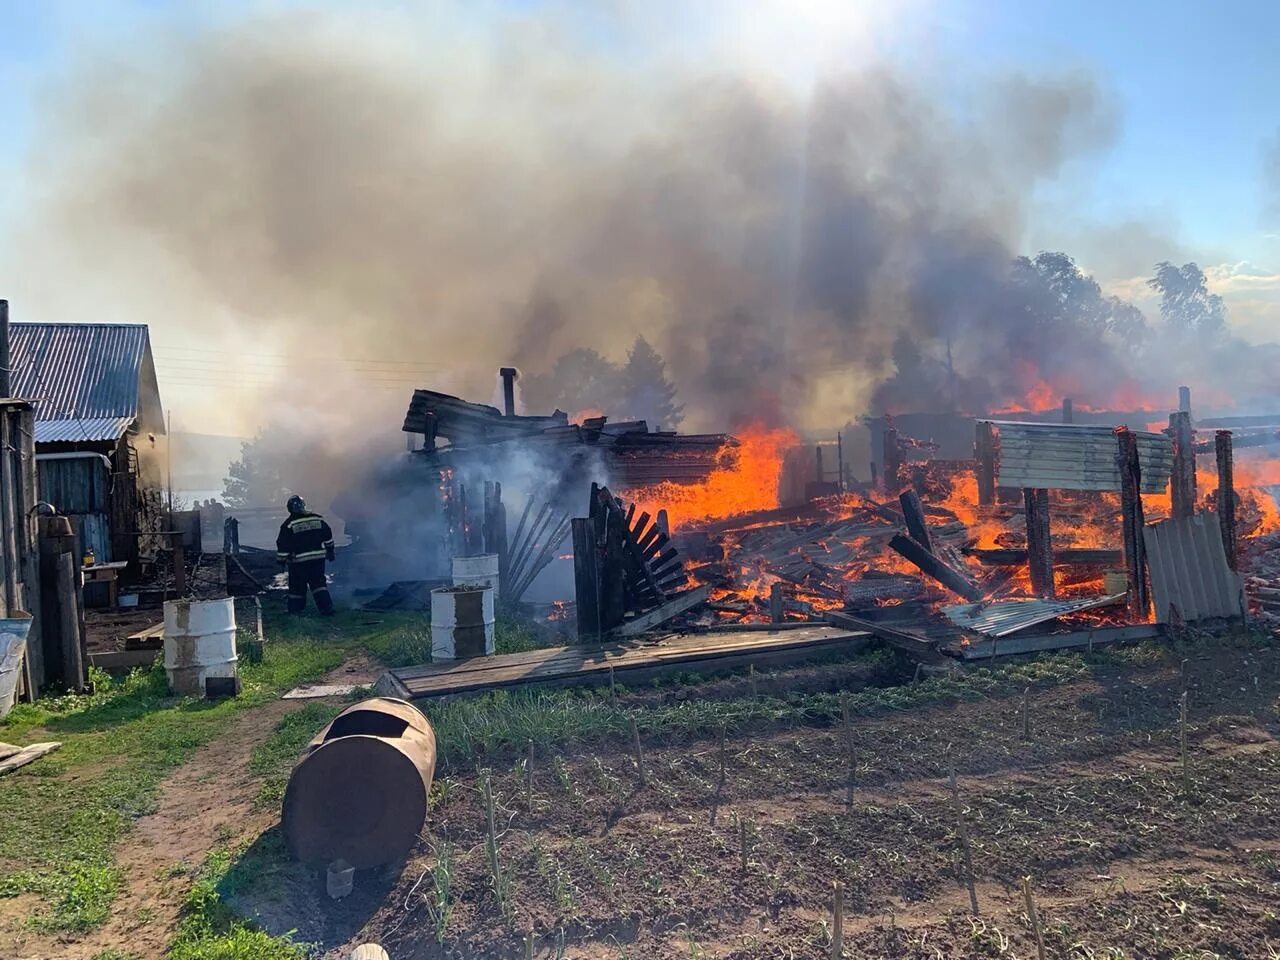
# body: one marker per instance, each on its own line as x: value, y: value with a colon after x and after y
x: 1049, y: 522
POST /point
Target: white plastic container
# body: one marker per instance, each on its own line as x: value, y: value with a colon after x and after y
x: 482, y: 569
x: 13, y: 644
x: 199, y: 642
x: 462, y: 622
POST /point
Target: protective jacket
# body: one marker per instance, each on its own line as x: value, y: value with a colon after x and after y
x: 304, y: 536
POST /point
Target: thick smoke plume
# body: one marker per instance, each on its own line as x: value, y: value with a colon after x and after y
x: 324, y: 185
x: 315, y: 180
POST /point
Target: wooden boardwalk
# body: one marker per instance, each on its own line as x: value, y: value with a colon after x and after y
x: 631, y: 661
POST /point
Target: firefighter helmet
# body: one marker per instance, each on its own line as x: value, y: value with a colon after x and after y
x: 296, y: 504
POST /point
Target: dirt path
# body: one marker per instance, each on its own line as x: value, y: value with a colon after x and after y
x: 208, y: 801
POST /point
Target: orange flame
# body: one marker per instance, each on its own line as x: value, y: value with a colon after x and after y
x: 747, y: 480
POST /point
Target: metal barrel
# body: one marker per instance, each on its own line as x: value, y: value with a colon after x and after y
x: 360, y: 791
x: 462, y: 622
x: 199, y: 643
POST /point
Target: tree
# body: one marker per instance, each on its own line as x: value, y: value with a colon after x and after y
x: 649, y: 395
x: 1062, y: 300
x: 1186, y: 304
x: 580, y: 380
x: 254, y: 480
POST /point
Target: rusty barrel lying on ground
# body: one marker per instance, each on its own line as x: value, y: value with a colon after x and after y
x: 360, y: 791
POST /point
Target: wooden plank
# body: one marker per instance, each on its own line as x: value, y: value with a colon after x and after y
x: 671, y: 608
x: 1021, y: 643
x: 913, y: 512
x: 575, y: 665
x: 919, y: 648
x: 946, y: 575
x: 119, y: 660
x: 34, y: 752
x: 1039, y: 545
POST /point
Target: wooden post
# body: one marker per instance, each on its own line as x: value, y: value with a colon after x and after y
x: 1033, y: 915
x: 1183, y: 479
x: 70, y: 630
x: 8, y: 521
x: 952, y: 579
x: 586, y: 579
x: 775, y: 602
x: 984, y: 452
x: 1135, y: 557
x: 1067, y: 412
x: 817, y: 452
x: 963, y: 830
x: 891, y: 461
x: 837, y: 923
x: 1039, y: 547
x: 1226, y: 496
x: 840, y: 462
x: 5, y: 379
x: 1184, y: 399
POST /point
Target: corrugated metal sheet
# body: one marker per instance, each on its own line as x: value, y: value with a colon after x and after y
x: 1065, y: 456
x: 1010, y: 616
x: 1189, y: 570
x: 89, y: 371
x: 82, y: 429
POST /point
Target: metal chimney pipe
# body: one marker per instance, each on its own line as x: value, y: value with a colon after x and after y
x: 509, y: 375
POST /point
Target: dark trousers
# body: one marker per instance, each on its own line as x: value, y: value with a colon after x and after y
x: 304, y: 574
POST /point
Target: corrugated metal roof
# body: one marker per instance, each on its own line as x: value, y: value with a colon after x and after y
x: 1189, y: 570
x: 82, y: 429
x: 88, y: 371
x: 1066, y: 456
x: 1010, y: 616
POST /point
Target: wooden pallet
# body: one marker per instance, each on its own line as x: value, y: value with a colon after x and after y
x: 631, y: 661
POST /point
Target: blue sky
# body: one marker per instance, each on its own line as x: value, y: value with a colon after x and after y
x: 1196, y: 85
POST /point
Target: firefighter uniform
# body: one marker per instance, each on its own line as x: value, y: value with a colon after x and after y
x: 305, y: 543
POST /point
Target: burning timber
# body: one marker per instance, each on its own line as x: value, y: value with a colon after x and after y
x: 1041, y: 538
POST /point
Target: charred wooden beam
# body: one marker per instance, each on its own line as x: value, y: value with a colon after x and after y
x: 671, y: 607
x: 945, y: 574
x: 1080, y: 556
x: 1184, y: 399
x: 913, y: 512
x: 1039, y: 544
x: 1135, y: 557
x: 916, y: 647
x: 984, y: 451
x: 891, y: 461
x: 1227, y: 496
x: 1067, y: 412
x: 1183, y: 478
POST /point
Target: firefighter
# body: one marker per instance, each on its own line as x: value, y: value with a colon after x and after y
x: 304, y: 544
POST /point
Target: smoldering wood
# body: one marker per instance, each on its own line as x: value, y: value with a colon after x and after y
x: 1227, y: 497
x: 1067, y: 412
x: 913, y: 512
x: 1070, y: 556
x: 1039, y: 545
x: 1184, y: 399
x: 936, y: 568
x: 1183, y: 478
x: 1132, y: 522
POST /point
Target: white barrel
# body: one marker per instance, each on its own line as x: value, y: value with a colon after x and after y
x: 199, y: 642
x: 462, y: 621
x: 13, y: 646
x: 481, y: 569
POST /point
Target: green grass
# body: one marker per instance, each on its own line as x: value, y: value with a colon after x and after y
x: 210, y: 929
x: 65, y: 813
